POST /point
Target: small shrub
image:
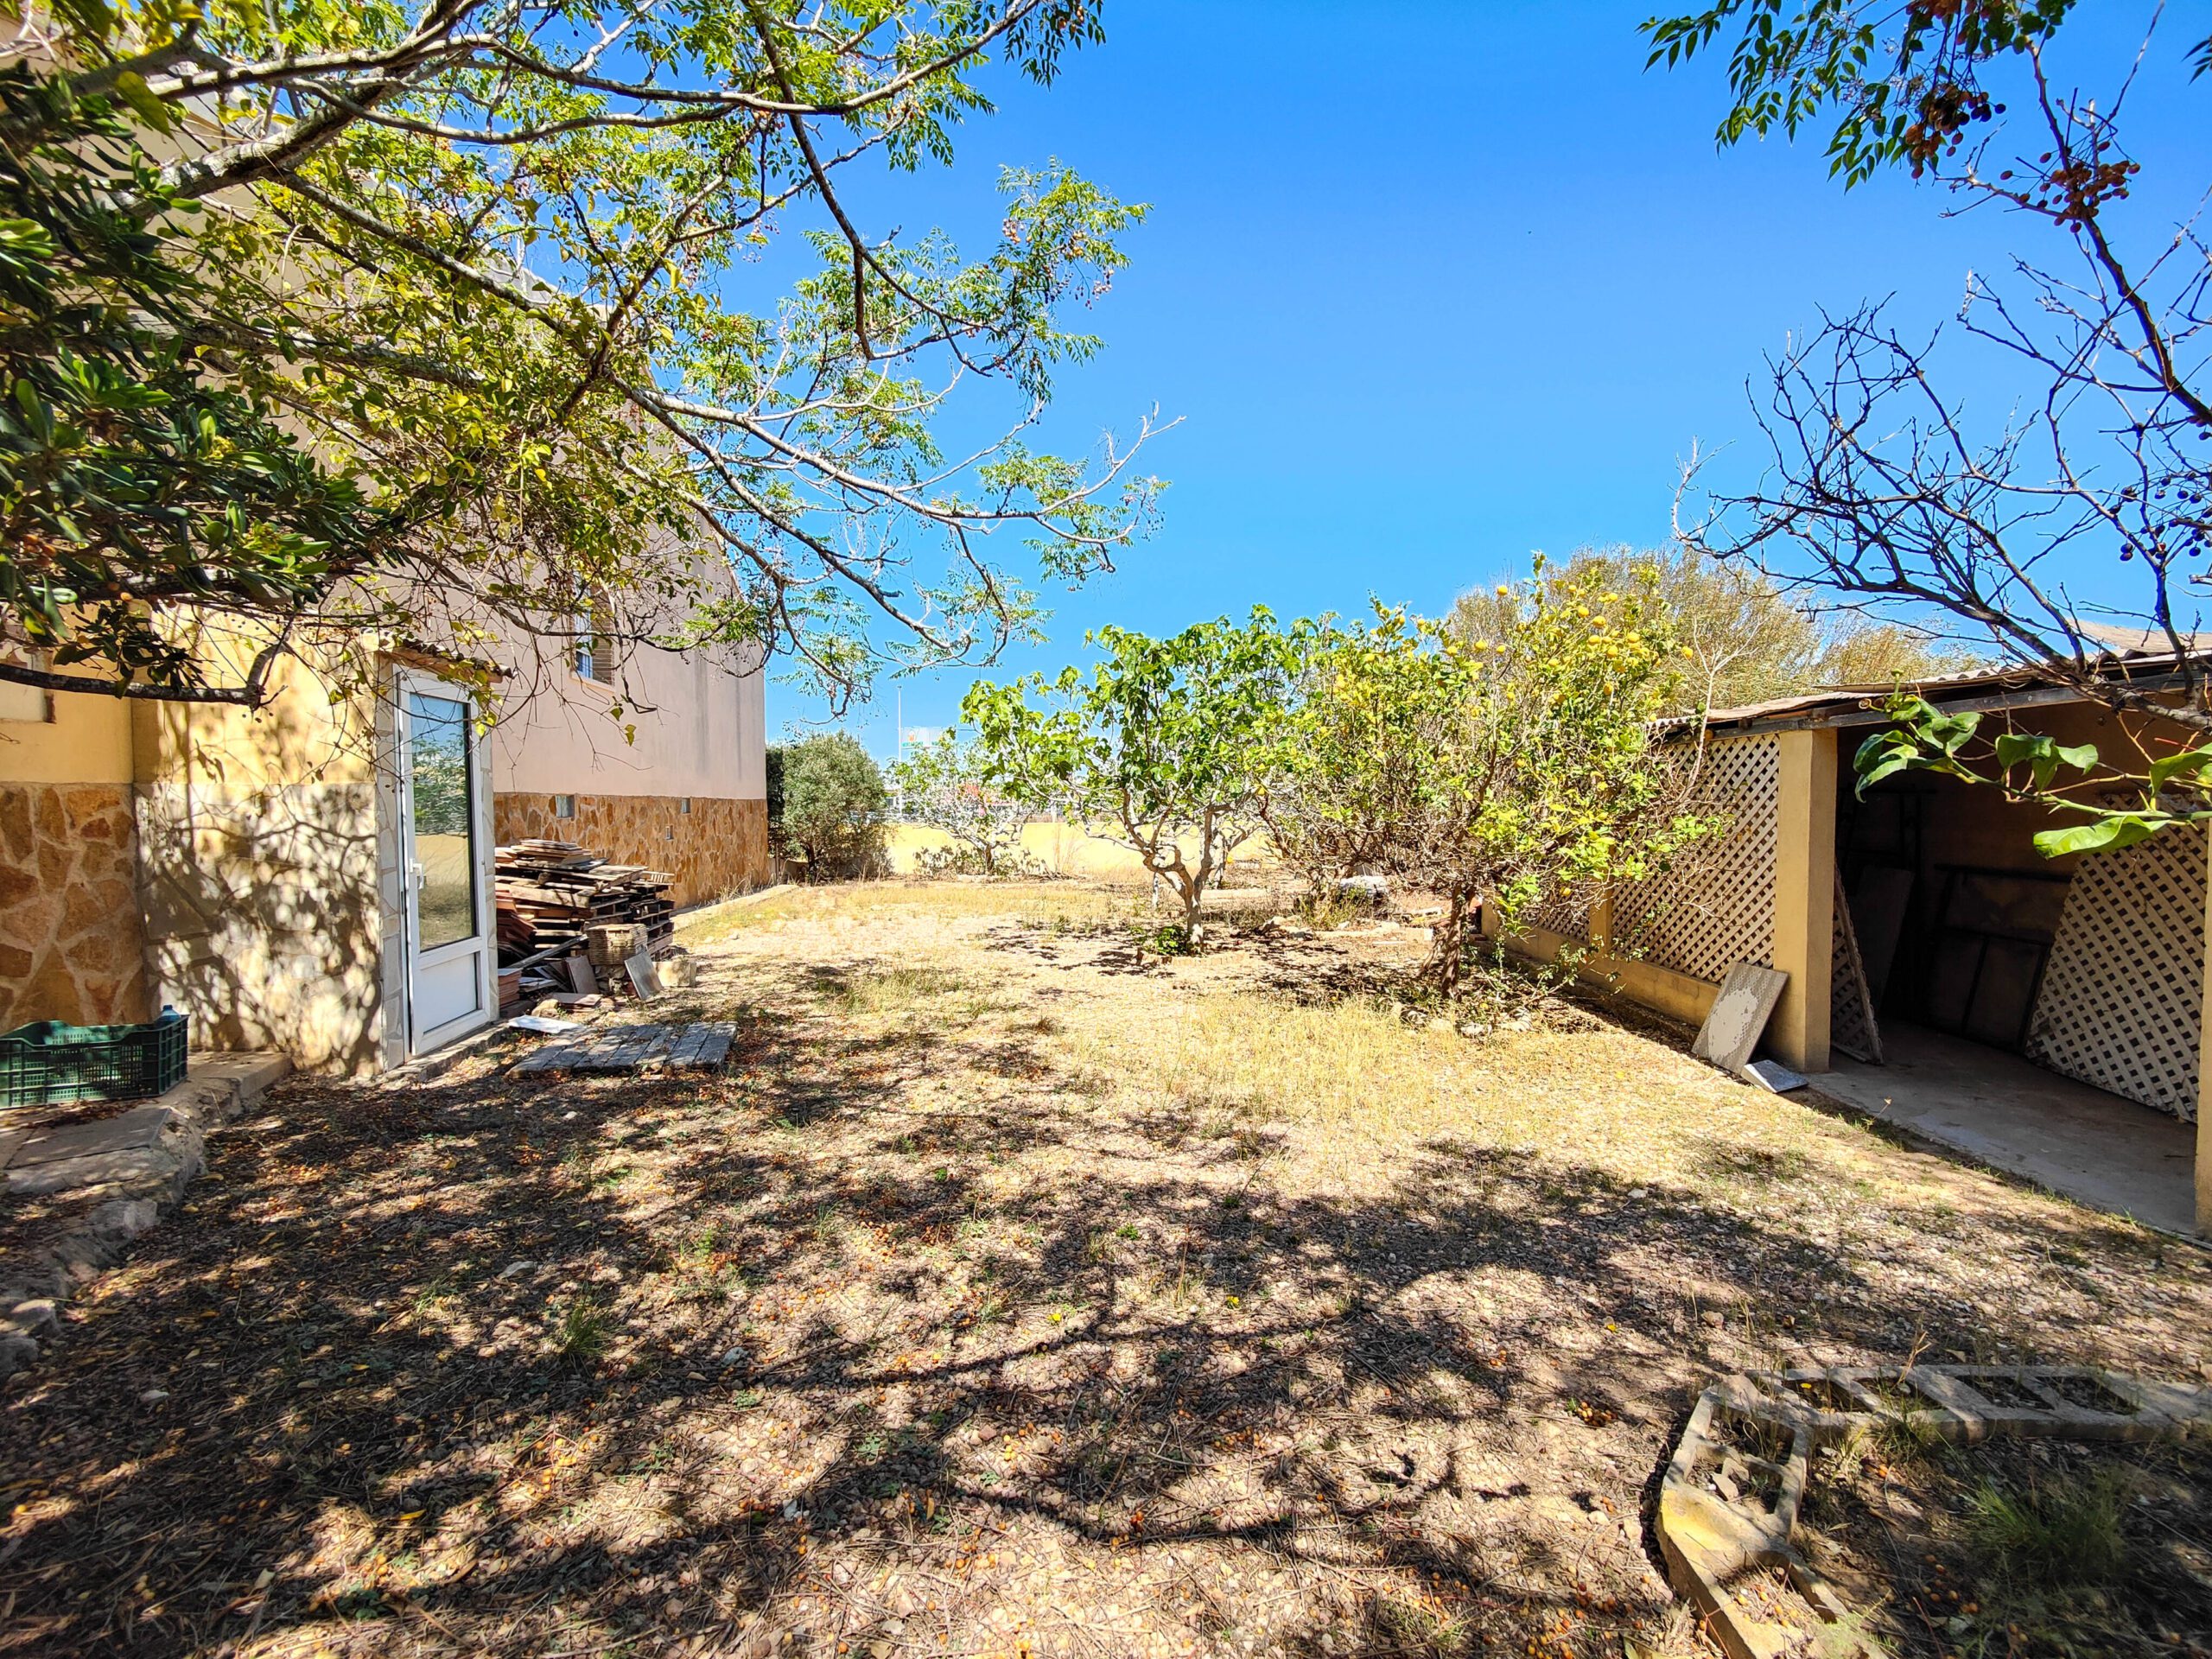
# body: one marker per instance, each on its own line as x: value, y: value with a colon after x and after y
x: 828, y: 814
x: 2065, y: 1530
x: 580, y: 1332
x: 1013, y: 864
x: 1170, y: 940
x: 1323, y: 910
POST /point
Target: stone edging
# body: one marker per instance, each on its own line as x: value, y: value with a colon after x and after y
x: 118, y: 1174
x: 1727, y: 1512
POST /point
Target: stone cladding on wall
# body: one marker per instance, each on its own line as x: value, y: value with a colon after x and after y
x: 265, y: 917
x: 73, y: 943
x: 719, y: 847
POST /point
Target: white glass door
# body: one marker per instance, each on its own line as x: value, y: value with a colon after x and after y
x: 445, y: 813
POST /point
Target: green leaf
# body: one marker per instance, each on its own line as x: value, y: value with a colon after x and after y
x: 1883, y: 755
x: 2104, y: 835
x: 2189, y: 762
x: 131, y: 88
x: 1948, y: 733
x: 2042, y: 755
x: 2080, y: 756
x: 2013, y: 748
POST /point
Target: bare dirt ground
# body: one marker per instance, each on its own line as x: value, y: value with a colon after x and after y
x: 1013, y: 1292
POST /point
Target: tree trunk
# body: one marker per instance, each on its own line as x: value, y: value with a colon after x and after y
x: 1194, y: 885
x: 1450, y: 948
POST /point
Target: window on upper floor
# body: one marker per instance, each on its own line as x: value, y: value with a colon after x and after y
x: 592, y: 648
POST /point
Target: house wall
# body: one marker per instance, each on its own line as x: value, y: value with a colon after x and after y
x: 716, y: 849
x: 72, y: 942
x: 242, y: 866
x: 673, y: 729
x: 262, y: 870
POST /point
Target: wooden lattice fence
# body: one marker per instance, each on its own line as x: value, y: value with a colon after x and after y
x: 1715, y: 908
x: 2121, y: 1003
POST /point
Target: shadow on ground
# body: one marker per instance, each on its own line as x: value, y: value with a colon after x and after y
x: 828, y: 1355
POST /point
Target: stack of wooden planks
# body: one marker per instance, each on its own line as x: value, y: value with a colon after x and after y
x: 549, y: 891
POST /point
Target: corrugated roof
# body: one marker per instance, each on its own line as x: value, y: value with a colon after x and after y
x: 2122, y: 662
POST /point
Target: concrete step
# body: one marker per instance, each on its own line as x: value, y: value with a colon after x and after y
x: 114, y: 1178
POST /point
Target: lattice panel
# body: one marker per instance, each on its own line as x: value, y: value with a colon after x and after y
x: 2121, y: 1004
x: 1852, y: 1027
x: 1715, y: 908
x: 1568, y: 916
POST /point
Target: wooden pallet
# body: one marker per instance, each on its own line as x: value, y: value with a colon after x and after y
x: 550, y: 888
x: 702, y: 1046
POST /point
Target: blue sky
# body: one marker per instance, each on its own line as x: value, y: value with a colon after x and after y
x: 1430, y: 286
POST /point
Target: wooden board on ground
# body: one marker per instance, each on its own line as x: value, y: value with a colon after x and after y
x: 1739, y: 1014
x: 1772, y: 1075
x: 702, y: 1047
x: 644, y: 979
x: 695, y: 1047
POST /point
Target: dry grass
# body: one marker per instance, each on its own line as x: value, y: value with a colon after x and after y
x: 1046, y: 905
x: 1016, y: 1291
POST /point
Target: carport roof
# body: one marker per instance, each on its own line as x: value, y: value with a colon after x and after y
x: 2017, y: 687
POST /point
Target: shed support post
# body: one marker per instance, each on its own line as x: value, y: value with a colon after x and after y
x: 1804, y: 898
x: 2204, y: 1072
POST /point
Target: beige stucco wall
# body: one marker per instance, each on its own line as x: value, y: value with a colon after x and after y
x: 1804, y: 900
x: 696, y: 726
x: 86, y: 741
x: 1678, y: 996
x: 1060, y: 849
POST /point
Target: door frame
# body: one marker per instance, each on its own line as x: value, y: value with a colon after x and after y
x: 484, y: 941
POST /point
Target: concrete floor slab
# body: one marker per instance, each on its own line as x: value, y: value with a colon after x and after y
x: 2093, y: 1147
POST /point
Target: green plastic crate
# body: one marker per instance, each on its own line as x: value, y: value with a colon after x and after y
x: 50, y: 1064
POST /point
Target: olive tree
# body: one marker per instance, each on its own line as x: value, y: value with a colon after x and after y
x: 1163, y: 746
x: 1746, y: 636
x: 1506, y: 771
x: 945, y: 786
x: 833, y: 804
